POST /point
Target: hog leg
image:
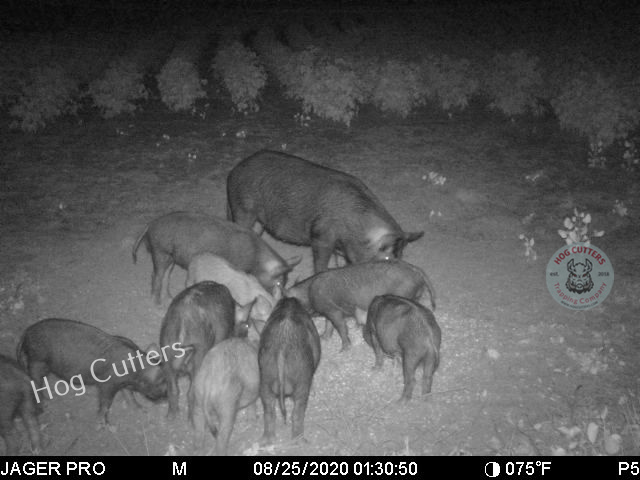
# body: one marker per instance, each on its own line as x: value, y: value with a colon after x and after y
x: 11, y: 434
x: 106, y: 393
x: 366, y: 333
x: 30, y: 420
x: 161, y: 262
x: 300, y: 400
x: 31, y: 424
x: 429, y: 366
x: 337, y: 319
x: 322, y: 251
x: 269, y: 408
x: 173, y: 390
x: 227, y: 415
x: 409, y: 365
x: 211, y: 420
x: 197, y: 419
x: 130, y: 399
x: 377, y: 349
x: 328, y: 330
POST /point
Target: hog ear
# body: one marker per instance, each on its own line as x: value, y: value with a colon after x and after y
x: 389, y: 243
x: 589, y: 266
x: 293, y: 261
x: 413, y: 236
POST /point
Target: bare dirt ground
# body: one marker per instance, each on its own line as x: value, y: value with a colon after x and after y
x: 518, y: 371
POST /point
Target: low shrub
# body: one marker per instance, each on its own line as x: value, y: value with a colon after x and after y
x: 448, y: 82
x: 47, y: 92
x: 242, y: 75
x: 400, y: 87
x: 514, y: 83
x: 119, y: 88
x: 597, y: 107
x: 179, y: 84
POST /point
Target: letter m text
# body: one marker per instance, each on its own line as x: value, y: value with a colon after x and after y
x: 179, y: 469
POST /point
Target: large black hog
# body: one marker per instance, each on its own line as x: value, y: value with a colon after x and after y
x: 348, y: 291
x: 85, y: 355
x: 288, y: 356
x: 17, y: 400
x: 399, y: 326
x: 198, y: 318
x: 303, y: 203
x: 179, y: 236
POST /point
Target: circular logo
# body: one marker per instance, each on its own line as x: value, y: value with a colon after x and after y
x: 579, y: 276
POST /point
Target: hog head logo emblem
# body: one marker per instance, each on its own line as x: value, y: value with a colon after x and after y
x: 579, y: 276
x: 579, y: 280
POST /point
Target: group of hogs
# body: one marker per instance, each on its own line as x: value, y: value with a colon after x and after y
x: 236, y: 282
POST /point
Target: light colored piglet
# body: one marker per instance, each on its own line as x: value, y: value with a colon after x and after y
x: 244, y: 287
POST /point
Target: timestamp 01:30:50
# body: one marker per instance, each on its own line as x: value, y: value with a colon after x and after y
x: 334, y: 468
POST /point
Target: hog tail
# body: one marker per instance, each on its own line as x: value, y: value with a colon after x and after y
x: 432, y: 291
x: 281, y: 377
x: 168, y: 282
x: 433, y: 348
x: 429, y: 285
x: 229, y: 212
x: 20, y: 355
x: 134, y: 251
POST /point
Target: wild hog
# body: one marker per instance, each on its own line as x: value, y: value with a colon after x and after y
x: 288, y: 356
x: 348, y: 291
x: 198, y: 318
x: 85, y: 355
x: 177, y: 237
x: 17, y: 401
x: 227, y: 381
x: 244, y: 287
x: 399, y: 326
x: 303, y: 203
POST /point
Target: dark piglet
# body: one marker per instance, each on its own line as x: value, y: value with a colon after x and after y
x: 289, y: 354
x: 227, y: 381
x: 85, y: 355
x: 198, y: 318
x: 17, y: 401
x: 304, y: 203
x: 399, y: 326
x: 177, y: 237
x: 347, y: 291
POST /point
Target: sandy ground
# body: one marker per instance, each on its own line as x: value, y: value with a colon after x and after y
x: 517, y: 371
